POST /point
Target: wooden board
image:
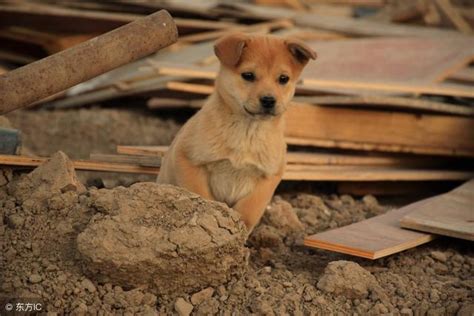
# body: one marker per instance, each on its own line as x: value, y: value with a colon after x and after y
x: 334, y: 167
x: 315, y: 158
x: 147, y: 161
x: 388, y: 60
x: 310, y: 81
x: 464, y: 74
x: 403, y: 131
x: 454, y: 16
x: 299, y: 172
x: 363, y: 27
x: 156, y: 151
x: 452, y: 214
x: 23, y: 161
x: 373, y: 238
x: 388, y: 103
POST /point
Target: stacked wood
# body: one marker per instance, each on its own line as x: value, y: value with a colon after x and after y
x: 384, y: 101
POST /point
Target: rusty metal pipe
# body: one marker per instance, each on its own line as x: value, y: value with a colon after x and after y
x: 77, y: 64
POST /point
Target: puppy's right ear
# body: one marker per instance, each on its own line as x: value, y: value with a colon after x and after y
x: 229, y: 48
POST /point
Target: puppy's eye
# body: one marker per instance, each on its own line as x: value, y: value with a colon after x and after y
x: 248, y: 76
x: 283, y: 79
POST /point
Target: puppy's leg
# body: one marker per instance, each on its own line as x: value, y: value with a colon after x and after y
x: 190, y: 177
x: 252, y: 206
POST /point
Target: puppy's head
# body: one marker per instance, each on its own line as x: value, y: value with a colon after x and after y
x: 258, y: 73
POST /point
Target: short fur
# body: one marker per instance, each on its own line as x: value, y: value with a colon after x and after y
x: 231, y: 150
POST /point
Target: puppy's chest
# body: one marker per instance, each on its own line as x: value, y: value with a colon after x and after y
x: 228, y: 183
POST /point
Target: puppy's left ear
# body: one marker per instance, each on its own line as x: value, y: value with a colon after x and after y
x: 300, y: 51
x: 229, y: 48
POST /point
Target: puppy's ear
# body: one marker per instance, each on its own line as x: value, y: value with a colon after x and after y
x: 229, y: 48
x: 300, y: 51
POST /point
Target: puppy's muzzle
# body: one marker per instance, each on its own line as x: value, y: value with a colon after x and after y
x: 267, y: 103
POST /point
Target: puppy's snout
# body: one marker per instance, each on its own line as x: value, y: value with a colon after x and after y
x: 267, y: 102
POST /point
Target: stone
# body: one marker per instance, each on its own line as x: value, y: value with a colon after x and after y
x: 440, y: 256
x: 182, y: 307
x: 35, y: 278
x: 88, y: 285
x: 201, y: 296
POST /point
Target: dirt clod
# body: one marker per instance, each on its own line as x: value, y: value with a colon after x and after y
x: 182, y: 307
x: 54, y: 177
x: 347, y: 278
x: 201, y: 296
x: 162, y: 237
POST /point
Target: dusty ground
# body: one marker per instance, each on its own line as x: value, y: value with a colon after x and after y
x: 40, y: 259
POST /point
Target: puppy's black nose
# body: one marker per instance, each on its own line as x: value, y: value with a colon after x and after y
x: 267, y: 102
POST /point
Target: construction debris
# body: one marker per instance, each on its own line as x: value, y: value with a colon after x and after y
x: 387, y: 109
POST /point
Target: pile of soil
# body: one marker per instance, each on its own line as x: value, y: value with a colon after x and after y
x: 41, y: 260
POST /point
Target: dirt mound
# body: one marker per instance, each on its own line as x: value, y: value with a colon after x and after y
x: 54, y: 177
x: 347, y: 278
x: 162, y: 237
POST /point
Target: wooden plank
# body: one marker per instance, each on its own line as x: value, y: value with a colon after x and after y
x: 189, y: 87
x: 23, y: 161
x: 54, y: 18
x: 388, y: 61
x: 436, y: 89
x: 454, y: 16
x: 332, y: 167
x: 306, y: 158
x: 389, y: 102
x: 452, y: 214
x: 147, y: 161
x: 464, y: 74
x: 362, y: 27
x: 156, y: 151
x: 258, y: 27
x: 365, y: 173
x: 165, y: 103
x: 394, y: 188
x: 373, y: 238
x: 402, y: 132
x: 358, y: 145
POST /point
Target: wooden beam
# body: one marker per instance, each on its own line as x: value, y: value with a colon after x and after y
x: 464, y: 74
x: 315, y: 159
x: 393, y: 87
x: 146, y: 161
x: 454, y: 16
x: 189, y: 87
x: 154, y: 151
x: 364, y: 173
x: 389, y: 102
x: 23, y: 161
x: 386, y: 131
x: 452, y: 214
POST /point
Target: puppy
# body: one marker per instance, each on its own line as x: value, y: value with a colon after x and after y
x: 233, y: 150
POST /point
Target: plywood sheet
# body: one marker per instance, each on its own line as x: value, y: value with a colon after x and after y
x: 373, y: 238
x: 452, y: 214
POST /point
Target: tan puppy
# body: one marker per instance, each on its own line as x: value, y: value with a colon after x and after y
x: 233, y: 149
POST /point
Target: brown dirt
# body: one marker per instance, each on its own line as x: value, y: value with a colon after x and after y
x: 40, y: 258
